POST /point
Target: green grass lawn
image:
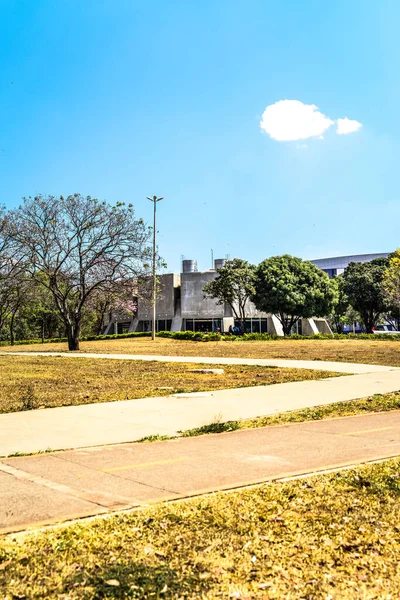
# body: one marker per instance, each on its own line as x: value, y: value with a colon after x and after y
x: 334, y: 536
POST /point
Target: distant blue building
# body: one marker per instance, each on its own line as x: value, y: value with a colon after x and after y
x: 336, y: 265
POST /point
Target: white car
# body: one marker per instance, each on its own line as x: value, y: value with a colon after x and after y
x: 379, y: 329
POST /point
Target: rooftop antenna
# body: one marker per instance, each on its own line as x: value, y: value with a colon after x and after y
x: 212, y: 258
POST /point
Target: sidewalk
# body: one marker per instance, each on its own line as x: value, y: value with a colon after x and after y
x: 49, y: 488
x: 125, y: 421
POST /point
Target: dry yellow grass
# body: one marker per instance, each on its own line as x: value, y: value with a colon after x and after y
x: 51, y: 381
x: 382, y: 352
x: 329, y: 537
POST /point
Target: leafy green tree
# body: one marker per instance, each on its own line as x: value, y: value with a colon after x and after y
x: 27, y: 310
x: 364, y: 287
x: 41, y: 314
x: 233, y: 286
x: 18, y: 298
x: 391, y: 286
x: 339, y: 316
x: 292, y: 289
x: 76, y: 245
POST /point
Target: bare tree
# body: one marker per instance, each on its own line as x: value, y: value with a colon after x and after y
x: 11, y: 269
x: 20, y: 296
x: 76, y: 245
x: 120, y: 296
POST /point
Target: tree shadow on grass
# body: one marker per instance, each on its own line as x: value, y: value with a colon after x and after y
x: 139, y: 580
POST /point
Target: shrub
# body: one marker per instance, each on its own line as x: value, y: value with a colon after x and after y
x: 199, y: 336
x: 28, y: 398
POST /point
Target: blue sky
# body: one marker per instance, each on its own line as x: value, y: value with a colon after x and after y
x: 122, y: 99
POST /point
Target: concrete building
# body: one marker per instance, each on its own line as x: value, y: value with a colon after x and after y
x: 336, y: 265
x: 182, y: 306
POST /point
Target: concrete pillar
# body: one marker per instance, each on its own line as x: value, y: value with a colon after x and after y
x: 323, y: 326
x: 275, y: 326
x: 176, y: 324
x: 309, y: 327
x: 226, y: 323
x: 134, y: 325
x: 109, y: 328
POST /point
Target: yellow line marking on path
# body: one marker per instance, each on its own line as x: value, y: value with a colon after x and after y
x: 366, y: 431
x: 102, y: 499
x: 148, y: 464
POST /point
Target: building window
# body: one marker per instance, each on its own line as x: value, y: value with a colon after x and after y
x: 161, y: 325
x: 144, y: 326
x: 164, y: 324
x: 256, y: 325
x: 203, y: 325
x: 123, y: 327
x: 297, y: 328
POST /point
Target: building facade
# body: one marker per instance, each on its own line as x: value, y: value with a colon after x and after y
x: 182, y: 306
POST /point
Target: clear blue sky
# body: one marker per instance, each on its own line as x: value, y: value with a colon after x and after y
x: 122, y: 99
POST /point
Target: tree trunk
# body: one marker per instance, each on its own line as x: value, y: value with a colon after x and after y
x: 369, y: 324
x: 73, y: 342
x: 73, y: 337
x: 12, y: 336
x: 368, y: 321
x: 287, y: 323
x: 100, y: 324
x: 338, y: 326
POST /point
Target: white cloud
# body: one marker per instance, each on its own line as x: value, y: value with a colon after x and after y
x: 289, y: 120
x: 346, y: 125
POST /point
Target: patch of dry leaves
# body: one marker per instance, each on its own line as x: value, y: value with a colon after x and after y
x: 326, y: 537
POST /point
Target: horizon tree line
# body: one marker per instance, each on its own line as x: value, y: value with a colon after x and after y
x: 65, y: 262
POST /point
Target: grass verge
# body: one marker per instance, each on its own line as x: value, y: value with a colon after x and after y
x: 372, y: 404
x: 331, y: 536
x: 42, y: 382
x: 347, y: 350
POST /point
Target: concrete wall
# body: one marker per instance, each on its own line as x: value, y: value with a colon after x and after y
x: 252, y: 312
x: 166, y: 298
x: 341, y: 262
x: 193, y: 303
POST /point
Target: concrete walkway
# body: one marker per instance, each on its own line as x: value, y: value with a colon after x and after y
x: 47, y: 488
x: 318, y: 365
x: 116, y: 422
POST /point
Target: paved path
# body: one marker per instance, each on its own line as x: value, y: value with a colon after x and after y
x: 46, y: 488
x: 130, y: 420
x: 319, y: 365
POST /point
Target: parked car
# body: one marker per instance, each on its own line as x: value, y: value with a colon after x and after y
x: 379, y: 329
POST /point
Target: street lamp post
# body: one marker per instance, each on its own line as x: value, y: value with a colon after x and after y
x: 154, y: 200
